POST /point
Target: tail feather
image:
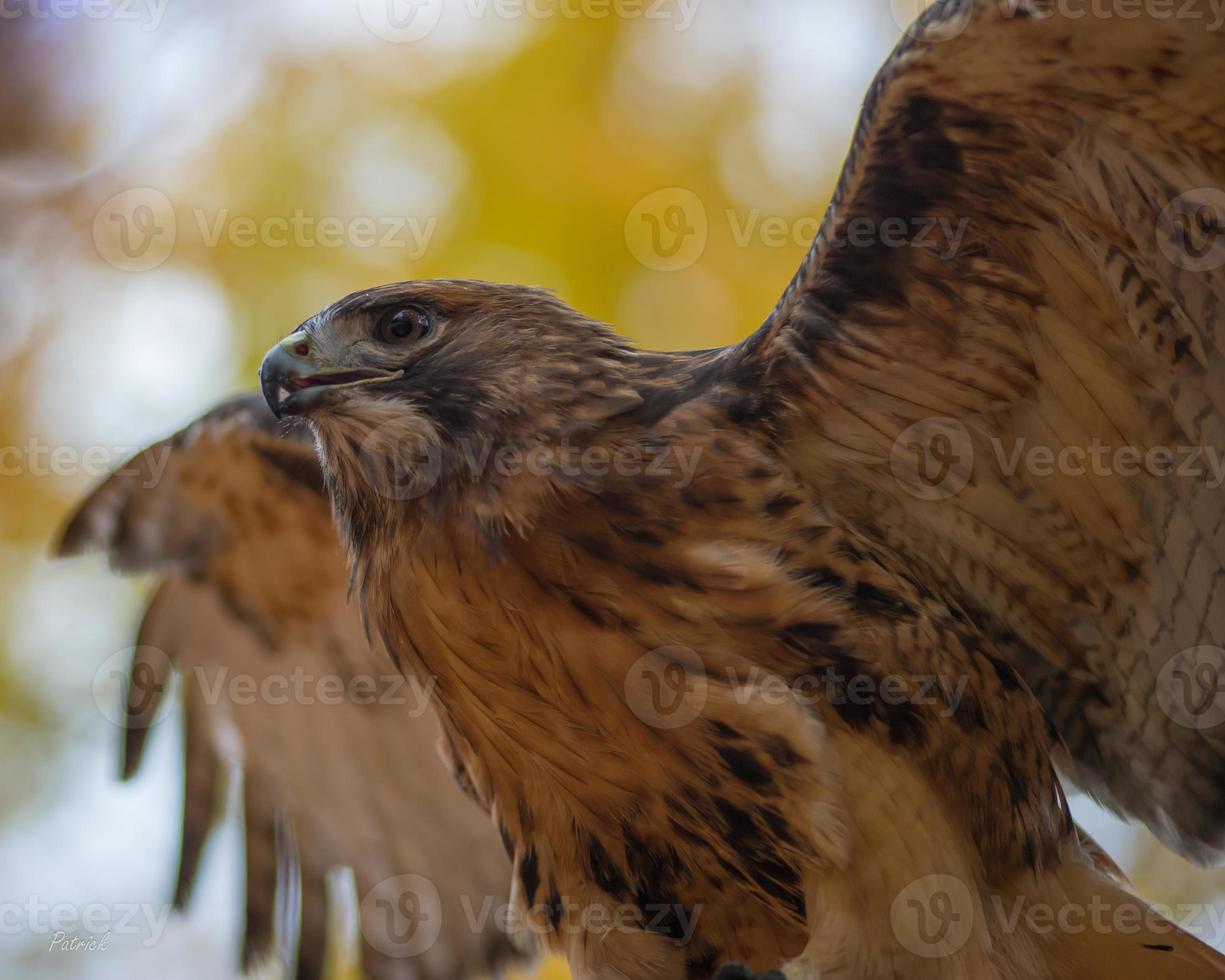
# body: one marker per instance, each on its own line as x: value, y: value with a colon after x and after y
x: 1113, y: 935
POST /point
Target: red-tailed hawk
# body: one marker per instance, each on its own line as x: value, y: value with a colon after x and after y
x: 337, y: 750
x: 769, y: 653
x: 475, y: 440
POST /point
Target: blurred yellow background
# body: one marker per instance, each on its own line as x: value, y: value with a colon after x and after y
x: 183, y: 182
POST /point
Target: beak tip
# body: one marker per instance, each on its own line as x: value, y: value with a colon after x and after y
x: 270, y: 388
x: 277, y: 367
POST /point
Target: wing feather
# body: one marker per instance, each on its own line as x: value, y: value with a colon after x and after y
x: 951, y: 399
x: 202, y: 784
x: 337, y: 753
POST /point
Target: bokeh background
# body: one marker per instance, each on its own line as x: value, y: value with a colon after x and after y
x: 183, y: 181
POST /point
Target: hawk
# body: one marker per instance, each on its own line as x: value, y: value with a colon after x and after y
x: 474, y: 439
x: 339, y: 768
x: 924, y: 537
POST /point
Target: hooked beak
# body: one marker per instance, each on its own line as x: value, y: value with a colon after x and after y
x: 294, y: 382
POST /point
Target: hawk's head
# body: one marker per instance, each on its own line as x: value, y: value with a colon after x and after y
x: 418, y: 387
x: 459, y: 352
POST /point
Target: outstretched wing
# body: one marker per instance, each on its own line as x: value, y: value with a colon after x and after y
x: 338, y: 750
x: 1003, y: 357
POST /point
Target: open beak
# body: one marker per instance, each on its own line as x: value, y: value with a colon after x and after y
x: 294, y: 382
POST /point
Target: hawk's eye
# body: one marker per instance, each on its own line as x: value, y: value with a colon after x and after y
x: 405, y: 325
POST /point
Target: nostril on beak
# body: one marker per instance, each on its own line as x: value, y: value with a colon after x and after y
x: 302, y: 348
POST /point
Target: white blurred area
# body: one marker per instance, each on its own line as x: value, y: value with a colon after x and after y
x: 103, y: 357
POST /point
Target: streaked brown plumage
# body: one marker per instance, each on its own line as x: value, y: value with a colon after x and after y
x: 448, y: 416
x: 231, y: 514
x: 532, y: 594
